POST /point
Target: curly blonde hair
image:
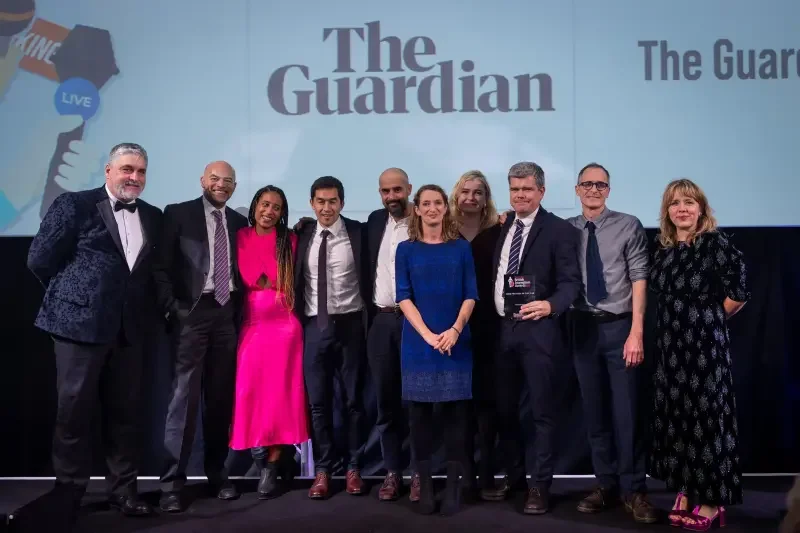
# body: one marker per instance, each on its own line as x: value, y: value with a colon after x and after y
x: 705, y: 223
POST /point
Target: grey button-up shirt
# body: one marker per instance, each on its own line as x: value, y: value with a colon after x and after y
x: 623, y: 250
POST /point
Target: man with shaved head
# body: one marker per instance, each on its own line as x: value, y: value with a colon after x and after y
x: 386, y: 228
x: 199, y: 289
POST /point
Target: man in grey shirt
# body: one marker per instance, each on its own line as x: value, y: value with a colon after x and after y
x: 607, y: 329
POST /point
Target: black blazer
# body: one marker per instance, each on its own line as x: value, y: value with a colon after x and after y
x: 376, y: 227
x: 356, y: 234
x: 183, y: 259
x: 551, y: 255
x: 77, y: 256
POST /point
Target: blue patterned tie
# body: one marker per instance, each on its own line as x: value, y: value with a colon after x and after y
x: 222, y: 275
x: 516, y: 246
x: 595, y: 283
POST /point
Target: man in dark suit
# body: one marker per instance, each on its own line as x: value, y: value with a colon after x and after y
x: 93, y: 254
x: 198, y: 286
x: 386, y: 228
x: 332, y: 286
x: 543, y: 248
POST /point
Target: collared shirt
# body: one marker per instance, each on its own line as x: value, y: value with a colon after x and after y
x: 395, y: 233
x: 130, y: 230
x: 343, y: 291
x: 623, y: 249
x: 211, y: 229
x: 527, y: 222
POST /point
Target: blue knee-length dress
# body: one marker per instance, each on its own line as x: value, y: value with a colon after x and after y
x: 437, y: 278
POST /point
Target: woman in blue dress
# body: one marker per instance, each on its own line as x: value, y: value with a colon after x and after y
x: 436, y: 292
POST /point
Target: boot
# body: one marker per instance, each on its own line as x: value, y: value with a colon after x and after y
x: 268, y: 483
x: 427, y: 497
x: 452, y: 491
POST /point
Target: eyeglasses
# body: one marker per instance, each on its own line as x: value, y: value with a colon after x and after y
x: 587, y: 185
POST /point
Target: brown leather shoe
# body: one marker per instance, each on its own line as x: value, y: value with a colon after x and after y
x: 538, y: 501
x: 643, y: 511
x: 599, y: 500
x: 390, y: 490
x: 414, y: 493
x: 355, y: 485
x: 319, y: 489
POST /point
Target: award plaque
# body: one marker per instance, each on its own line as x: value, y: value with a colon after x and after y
x: 518, y: 289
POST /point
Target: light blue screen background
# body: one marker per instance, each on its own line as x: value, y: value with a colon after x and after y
x: 193, y: 80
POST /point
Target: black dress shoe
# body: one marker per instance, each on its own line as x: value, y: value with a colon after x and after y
x: 129, y: 505
x: 499, y: 492
x: 538, y: 501
x: 170, y: 502
x: 227, y: 491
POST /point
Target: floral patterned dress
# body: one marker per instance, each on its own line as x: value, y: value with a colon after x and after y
x: 695, y: 434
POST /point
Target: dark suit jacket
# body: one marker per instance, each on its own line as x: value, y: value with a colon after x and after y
x: 184, y: 262
x: 551, y: 255
x: 483, y: 247
x: 77, y: 256
x: 356, y: 234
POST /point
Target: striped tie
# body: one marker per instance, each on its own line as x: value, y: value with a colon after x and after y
x: 222, y: 273
x: 516, y: 245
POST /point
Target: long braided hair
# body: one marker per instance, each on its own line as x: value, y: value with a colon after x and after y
x: 284, y: 256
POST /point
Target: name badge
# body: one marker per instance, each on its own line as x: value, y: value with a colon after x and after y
x: 518, y: 289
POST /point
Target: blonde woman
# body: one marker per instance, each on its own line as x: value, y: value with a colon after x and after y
x: 474, y: 212
x: 699, y: 280
x: 471, y: 204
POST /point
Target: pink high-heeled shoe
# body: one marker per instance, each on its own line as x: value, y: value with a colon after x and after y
x: 701, y: 523
x: 676, y: 514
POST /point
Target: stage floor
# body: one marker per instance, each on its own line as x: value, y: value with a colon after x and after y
x: 30, y: 509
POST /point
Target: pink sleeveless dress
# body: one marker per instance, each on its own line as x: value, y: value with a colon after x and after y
x: 270, y: 405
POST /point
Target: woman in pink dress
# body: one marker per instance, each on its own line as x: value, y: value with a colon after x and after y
x: 269, y: 414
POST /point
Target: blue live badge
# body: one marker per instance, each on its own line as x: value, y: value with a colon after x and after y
x: 77, y: 96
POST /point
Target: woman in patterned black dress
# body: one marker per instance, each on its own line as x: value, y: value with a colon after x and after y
x: 699, y: 279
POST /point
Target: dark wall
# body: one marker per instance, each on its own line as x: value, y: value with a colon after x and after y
x: 764, y: 339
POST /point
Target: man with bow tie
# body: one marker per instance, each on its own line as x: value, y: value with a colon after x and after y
x: 199, y: 287
x: 93, y: 254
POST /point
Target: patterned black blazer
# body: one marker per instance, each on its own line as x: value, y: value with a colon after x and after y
x: 77, y: 255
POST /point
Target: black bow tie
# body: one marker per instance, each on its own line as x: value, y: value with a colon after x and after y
x: 131, y: 207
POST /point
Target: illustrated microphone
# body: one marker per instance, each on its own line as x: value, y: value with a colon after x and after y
x: 84, y: 63
x: 15, y: 16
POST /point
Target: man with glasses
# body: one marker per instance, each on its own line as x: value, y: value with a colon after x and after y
x: 607, y: 323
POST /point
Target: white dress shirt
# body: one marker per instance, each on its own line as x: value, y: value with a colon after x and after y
x: 130, y: 230
x: 527, y: 222
x: 343, y: 291
x: 211, y: 229
x: 395, y: 233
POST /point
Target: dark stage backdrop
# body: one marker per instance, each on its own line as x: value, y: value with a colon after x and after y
x: 764, y: 338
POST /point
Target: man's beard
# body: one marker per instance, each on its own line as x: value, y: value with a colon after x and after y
x: 125, y: 195
x: 397, y: 208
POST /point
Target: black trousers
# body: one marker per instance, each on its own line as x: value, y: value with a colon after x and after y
x: 526, y: 358
x: 453, y: 426
x: 337, y: 352
x: 383, y: 354
x: 205, y: 369
x: 482, y: 419
x: 610, y: 401
x: 88, y: 377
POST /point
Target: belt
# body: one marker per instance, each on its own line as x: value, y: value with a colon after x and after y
x: 394, y: 310
x: 603, y: 317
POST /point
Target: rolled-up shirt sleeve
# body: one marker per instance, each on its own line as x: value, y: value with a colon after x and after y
x: 637, y: 256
